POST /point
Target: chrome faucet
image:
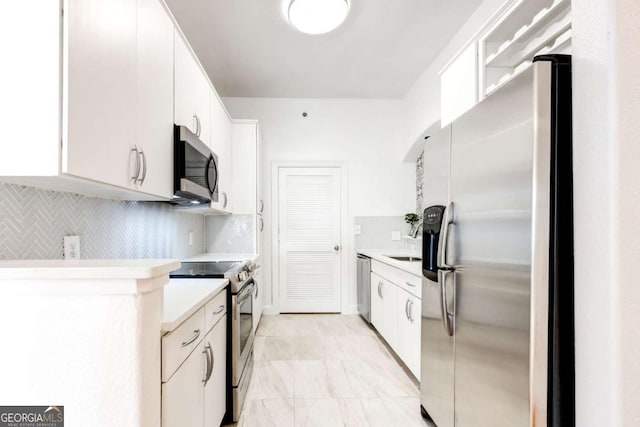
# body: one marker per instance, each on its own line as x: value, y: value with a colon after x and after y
x: 417, y: 230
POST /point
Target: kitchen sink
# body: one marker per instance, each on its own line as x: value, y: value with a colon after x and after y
x: 405, y: 258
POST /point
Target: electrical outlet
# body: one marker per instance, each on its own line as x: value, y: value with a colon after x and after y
x: 191, y: 238
x: 358, y: 229
x: 395, y: 235
x: 71, y: 247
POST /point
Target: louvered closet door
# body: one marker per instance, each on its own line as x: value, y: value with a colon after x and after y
x: 309, y: 202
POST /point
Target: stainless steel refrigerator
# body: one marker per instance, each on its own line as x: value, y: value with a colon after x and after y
x: 497, y: 296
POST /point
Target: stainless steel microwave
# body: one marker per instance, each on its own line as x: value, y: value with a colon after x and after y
x: 195, y: 169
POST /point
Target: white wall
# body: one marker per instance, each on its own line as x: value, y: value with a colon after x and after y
x: 607, y: 207
x: 369, y: 135
x: 627, y: 202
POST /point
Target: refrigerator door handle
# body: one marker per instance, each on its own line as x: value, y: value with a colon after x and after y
x: 447, y: 219
x: 447, y: 317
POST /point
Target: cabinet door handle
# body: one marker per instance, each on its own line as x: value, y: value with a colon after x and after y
x: 406, y: 310
x: 261, y: 224
x: 220, y: 310
x: 410, y: 284
x: 207, y: 366
x: 134, y: 150
x: 213, y: 361
x: 144, y: 167
x: 195, y: 336
x: 380, y: 289
x: 226, y: 199
x: 261, y: 209
x: 209, y: 369
x: 410, y: 310
x: 257, y: 288
x: 197, y: 125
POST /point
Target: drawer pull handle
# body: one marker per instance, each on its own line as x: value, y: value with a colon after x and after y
x: 220, y: 310
x: 410, y: 284
x: 196, y: 334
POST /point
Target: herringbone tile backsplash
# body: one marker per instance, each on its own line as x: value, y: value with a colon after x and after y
x: 34, y: 221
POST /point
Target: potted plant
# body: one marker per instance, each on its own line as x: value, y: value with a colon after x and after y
x: 412, y: 219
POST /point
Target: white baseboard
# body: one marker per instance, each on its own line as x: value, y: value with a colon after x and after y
x: 269, y: 310
x: 352, y: 309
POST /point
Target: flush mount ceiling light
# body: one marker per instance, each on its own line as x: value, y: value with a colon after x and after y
x: 317, y: 16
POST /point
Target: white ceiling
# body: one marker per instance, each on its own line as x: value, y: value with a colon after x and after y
x: 249, y: 49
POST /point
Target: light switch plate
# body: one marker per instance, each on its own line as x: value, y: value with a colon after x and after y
x: 191, y: 238
x: 395, y: 235
x: 71, y: 247
x: 358, y: 229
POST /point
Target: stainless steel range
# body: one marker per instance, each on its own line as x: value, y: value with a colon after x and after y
x: 240, y: 329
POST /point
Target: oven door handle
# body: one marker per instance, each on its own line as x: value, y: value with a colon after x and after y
x: 246, y: 291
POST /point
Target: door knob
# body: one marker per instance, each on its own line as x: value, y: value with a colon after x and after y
x: 336, y: 248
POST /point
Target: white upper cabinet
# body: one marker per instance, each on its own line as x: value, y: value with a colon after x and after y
x: 193, y: 93
x: 522, y: 31
x: 93, y: 103
x: 247, y: 190
x: 99, y: 132
x: 245, y: 167
x: 101, y: 106
x: 459, y: 85
x: 155, y: 98
x: 502, y: 50
x: 221, y: 141
x: 30, y: 100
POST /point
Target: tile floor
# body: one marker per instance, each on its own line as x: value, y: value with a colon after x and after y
x: 326, y: 370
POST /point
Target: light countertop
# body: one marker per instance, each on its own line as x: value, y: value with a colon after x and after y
x: 223, y: 256
x: 85, y: 276
x: 183, y: 297
x: 414, y: 267
x: 86, y: 269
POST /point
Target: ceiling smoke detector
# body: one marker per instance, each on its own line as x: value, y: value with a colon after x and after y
x: 317, y: 16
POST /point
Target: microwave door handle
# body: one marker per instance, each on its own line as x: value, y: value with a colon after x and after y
x: 210, y: 187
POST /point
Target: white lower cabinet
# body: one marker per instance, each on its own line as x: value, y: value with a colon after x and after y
x: 195, y: 394
x: 258, y: 299
x: 384, y: 295
x: 396, y: 312
x: 182, y: 395
x: 408, y: 310
x: 215, y: 388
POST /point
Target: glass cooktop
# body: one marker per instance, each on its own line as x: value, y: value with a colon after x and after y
x: 206, y: 269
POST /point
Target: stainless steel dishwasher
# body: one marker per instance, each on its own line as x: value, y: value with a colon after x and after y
x: 364, y: 287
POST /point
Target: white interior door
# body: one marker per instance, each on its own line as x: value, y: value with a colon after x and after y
x: 309, y: 230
